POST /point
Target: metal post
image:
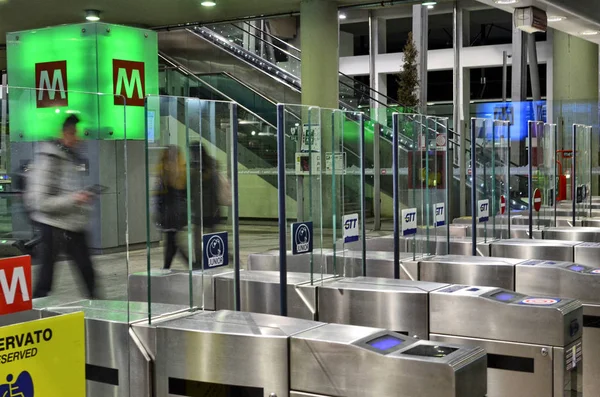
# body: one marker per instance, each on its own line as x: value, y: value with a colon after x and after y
x: 504, y: 76
x: 281, y: 207
x: 591, y: 168
x: 574, y: 173
x: 376, y: 177
x: 458, y: 96
x: 3, y: 124
x: 361, y: 120
x: 449, y: 176
x: 235, y: 204
x: 532, y: 125
x: 473, y: 187
x: 396, y: 194
x: 508, y: 176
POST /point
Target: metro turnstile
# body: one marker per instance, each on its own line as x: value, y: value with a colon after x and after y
x: 496, y: 316
x: 557, y: 250
x: 117, y: 363
x: 398, y: 305
x: 462, y: 269
x: 258, y: 355
x: 342, y: 360
x: 260, y: 291
x: 379, y: 263
x: 269, y: 261
x: 173, y: 287
x: 516, y: 231
x: 439, y: 246
x: 538, y: 351
x: 574, y: 280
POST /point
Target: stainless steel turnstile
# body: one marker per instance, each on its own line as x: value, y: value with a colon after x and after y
x: 379, y: 263
x: 535, y: 249
x: 261, y: 291
x: 587, y: 234
x: 341, y: 360
x: 574, y: 280
x: 269, y: 261
x: 226, y: 353
x: 534, y: 344
x: 173, y: 287
x: 439, y: 246
x: 516, y: 231
x: 117, y: 363
x: 398, y: 305
x: 472, y: 270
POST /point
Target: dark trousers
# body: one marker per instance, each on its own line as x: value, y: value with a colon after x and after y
x: 75, y: 246
x: 171, y: 249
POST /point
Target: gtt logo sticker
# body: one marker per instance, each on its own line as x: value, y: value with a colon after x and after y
x: 51, y: 82
x: 129, y: 82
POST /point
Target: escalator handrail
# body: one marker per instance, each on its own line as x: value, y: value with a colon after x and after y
x: 294, y: 82
x: 266, y: 42
x: 274, y: 37
x: 188, y: 73
x: 369, y: 89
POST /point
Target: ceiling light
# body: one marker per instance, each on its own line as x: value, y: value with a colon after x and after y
x: 430, y: 3
x: 342, y: 15
x: 430, y: 7
x: 506, y: 1
x: 556, y: 18
x: 92, y: 15
x: 208, y: 3
x: 590, y: 33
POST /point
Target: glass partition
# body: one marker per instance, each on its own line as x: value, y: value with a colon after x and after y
x: 437, y: 165
x: 582, y: 171
x: 498, y: 172
x: 304, y: 150
x: 544, y: 176
x: 414, y: 194
x: 482, y: 178
x: 191, y: 163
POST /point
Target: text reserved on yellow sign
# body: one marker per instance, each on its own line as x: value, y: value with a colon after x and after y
x: 43, y: 358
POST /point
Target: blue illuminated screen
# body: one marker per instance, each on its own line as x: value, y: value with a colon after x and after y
x: 503, y: 296
x: 577, y: 268
x: 385, y: 342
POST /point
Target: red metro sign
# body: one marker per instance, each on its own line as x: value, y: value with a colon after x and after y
x: 15, y: 284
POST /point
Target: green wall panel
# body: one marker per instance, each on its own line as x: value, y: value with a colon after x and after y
x: 69, y: 65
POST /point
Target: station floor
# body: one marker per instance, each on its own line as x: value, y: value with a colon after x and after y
x: 113, y: 269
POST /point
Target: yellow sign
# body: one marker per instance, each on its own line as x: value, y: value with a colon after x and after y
x: 43, y: 358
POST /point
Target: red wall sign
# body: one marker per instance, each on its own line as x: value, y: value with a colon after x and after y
x: 15, y: 284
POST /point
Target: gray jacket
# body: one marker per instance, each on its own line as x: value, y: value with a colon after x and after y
x: 52, y: 183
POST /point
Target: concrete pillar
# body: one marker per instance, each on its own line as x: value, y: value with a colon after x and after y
x: 378, y: 45
x: 320, y: 59
x: 421, y: 35
x: 319, y: 29
x: 575, y: 82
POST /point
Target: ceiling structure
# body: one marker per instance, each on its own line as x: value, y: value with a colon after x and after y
x: 581, y: 15
x: 16, y: 15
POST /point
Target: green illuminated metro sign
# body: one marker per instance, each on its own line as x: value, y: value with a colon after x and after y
x: 61, y: 69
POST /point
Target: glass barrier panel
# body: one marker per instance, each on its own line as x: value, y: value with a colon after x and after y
x: 304, y: 154
x: 582, y: 173
x: 544, y: 174
x: 498, y: 173
x: 437, y: 189
x: 483, y: 181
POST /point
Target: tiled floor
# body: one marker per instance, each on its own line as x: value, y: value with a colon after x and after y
x: 113, y: 269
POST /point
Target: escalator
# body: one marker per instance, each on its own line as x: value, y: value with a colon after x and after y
x: 260, y: 76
